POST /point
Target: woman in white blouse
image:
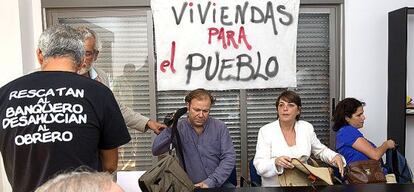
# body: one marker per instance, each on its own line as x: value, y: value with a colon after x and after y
x: 286, y: 138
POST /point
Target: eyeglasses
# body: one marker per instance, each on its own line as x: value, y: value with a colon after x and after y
x: 91, y: 53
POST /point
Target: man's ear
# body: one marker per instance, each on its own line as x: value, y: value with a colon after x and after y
x: 39, y: 55
x: 78, y: 68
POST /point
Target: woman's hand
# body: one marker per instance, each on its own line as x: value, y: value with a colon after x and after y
x: 390, y: 144
x: 284, y: 161
x: 337, y: 161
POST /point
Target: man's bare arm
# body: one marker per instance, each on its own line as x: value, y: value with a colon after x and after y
x: 109, y: 159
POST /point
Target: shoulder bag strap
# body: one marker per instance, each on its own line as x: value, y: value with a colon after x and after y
x: 175, y: 135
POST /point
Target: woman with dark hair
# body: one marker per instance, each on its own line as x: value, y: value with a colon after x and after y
x: 348, y: 118
x: 286, y: 138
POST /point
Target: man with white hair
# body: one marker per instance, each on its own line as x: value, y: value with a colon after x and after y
x: 51, y: 119
x: 92, y: 46
x: 81, y: 181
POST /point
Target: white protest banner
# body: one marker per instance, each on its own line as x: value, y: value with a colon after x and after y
x: 220, y: 45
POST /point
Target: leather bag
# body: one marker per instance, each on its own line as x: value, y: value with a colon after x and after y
x: 366, y: 171
x: 305, y: 175
x: 166, y: 175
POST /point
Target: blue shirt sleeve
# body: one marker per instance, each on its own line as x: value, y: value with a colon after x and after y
x: 162, y: 142
x: 347, y: 136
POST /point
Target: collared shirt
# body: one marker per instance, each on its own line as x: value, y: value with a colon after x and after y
x: 209, y: 157
x: 93, y: 74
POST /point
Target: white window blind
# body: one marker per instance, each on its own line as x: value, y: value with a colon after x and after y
x: 124, y: 58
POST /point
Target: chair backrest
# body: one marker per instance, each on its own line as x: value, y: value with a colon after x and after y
x: 233, y: 177
x: 255, y: 179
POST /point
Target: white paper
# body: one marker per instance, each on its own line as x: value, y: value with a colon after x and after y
x: 205, y: 44
x: 128, y: 180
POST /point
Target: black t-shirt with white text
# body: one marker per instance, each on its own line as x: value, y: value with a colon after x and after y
x: 53, y: 122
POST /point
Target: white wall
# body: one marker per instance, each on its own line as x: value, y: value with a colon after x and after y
x: 21, y: 26
x: 10, y: 50
x: 410, y: 56
x: 410, y: 90
x: 366, y: 61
